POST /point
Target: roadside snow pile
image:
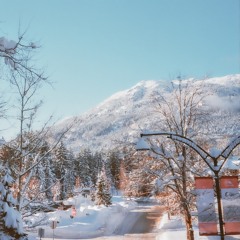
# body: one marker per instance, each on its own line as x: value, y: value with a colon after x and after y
x: 175, y: 229
x: 90, y: 220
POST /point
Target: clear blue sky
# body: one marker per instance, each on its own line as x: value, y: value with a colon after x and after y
x: 94, y: 48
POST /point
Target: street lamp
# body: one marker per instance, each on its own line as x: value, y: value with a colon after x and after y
x: 212, y: 161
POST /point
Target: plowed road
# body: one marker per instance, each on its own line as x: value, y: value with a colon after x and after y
x: 138, y: 224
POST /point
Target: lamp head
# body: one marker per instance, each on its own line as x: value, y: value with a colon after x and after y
x: 142, y: 145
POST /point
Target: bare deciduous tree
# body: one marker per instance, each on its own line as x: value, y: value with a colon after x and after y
x: 25, y: 152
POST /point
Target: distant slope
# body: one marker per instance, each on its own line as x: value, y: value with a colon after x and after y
x: 121, y: 117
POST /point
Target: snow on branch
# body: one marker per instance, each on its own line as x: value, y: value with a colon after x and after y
x: 16, y: 55
x: 7, y: 46
x: 161, y: 184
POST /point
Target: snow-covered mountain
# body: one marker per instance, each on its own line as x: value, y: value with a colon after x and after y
x: 121, y: 117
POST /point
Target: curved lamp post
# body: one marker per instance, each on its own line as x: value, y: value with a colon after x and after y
x: 212, y: 161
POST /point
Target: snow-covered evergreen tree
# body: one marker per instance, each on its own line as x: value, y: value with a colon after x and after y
x: 96, y: 164
x: 70, y: 174
x: 64, y: 170
x: 102, y: 194
x: 36, y: 164
x: 60, y: 169
x: 10, y: 219
x: 113, y: 166
x: 45, y: 173
x: 84, y: 168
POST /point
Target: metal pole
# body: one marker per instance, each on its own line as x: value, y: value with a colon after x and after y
x: 219, y: 203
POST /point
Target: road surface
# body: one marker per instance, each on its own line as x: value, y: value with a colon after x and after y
x: 137, y: 224
x: 144, y: 226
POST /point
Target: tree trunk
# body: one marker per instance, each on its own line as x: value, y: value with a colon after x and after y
x: 189, y: 227
x: 19, y: 193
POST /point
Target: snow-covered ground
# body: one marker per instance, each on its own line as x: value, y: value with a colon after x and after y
x: 97, y: 221
x: 90, y: 220
x: 174, y: 229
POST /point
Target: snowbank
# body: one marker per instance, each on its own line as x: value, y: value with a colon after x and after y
x: 175, y: 229
x: 90, y: 220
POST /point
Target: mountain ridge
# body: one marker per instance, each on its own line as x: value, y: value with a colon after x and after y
x: 122, y: 116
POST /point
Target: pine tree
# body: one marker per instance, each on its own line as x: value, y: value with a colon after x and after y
x: 70, y: 174
x: 45, y: 172
x: 114, y: 165
x: 64, y: 171
x: 102, y: 194
x: 84, y: 168
x: 10, y: 219
x: 96, y: 164
x: 60, y: 171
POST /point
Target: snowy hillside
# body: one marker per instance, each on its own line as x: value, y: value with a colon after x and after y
x: 121, y: 117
